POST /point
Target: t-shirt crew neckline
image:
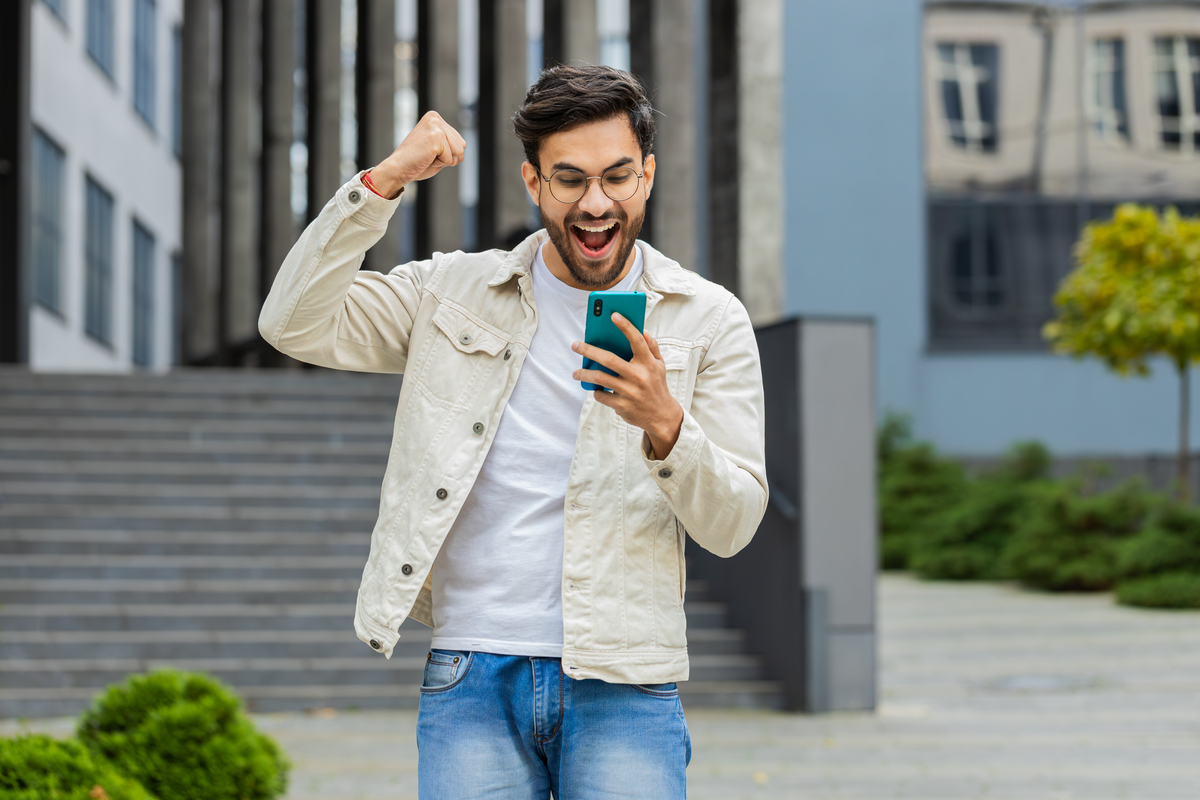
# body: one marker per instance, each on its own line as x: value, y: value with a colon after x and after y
x: 544, y: 278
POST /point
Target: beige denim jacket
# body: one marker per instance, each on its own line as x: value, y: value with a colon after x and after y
x: 458, y: 327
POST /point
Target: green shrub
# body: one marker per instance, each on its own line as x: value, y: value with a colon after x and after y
x: 1068, y: 541
x: 916, y: 485
x: 184, y: 737
x: 1160, y: 566
x: 968, y: 539
x: 1165, y: 590
x: 41, y: 768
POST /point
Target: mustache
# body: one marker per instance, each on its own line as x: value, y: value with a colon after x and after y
x: 615, y: 216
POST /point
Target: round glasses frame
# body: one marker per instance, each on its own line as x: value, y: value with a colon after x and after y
x: 569, y: 195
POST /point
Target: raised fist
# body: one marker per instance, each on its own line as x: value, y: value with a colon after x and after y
x: 429, y: 147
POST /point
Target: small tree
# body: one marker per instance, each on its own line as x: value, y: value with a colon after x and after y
x: 1135, y: 294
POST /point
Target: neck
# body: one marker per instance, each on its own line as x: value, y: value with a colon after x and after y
x: 558, y: 268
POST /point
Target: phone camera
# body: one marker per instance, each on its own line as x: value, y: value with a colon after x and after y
x: 597, y: 306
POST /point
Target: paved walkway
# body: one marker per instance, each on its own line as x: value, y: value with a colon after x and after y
x: 987, y: 692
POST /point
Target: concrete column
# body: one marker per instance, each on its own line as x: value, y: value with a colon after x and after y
x: 643, y: 64
x: 323, y: 25
x: 760, y: 158
x: 439, y: 205
x: 278, y: 230
x: 239, y: 289
x: 375, y: 83
x: 200, y: 279
x: 503, y: 202
x: 723, y: 144
x: 673, y: 201
x: 14, y: 180
x: 569, y: 32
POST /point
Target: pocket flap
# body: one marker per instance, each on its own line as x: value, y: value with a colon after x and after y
x: 466, y: 334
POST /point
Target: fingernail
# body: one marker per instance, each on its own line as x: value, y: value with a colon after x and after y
x: 574, y: 345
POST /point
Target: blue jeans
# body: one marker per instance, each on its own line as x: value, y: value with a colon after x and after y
x: 516, y: 728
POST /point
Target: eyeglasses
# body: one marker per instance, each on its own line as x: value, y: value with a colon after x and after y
x: 570, y: 185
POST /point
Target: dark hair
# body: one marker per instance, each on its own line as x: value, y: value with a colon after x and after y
x: 567, y: 97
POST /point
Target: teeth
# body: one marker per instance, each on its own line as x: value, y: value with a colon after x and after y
x: 595, y: 228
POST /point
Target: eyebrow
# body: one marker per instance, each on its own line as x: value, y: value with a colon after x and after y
x: 620, y: 163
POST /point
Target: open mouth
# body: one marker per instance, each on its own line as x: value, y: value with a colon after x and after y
x: 595, y: 239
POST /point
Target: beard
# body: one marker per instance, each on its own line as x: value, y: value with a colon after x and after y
x: 607, y: 272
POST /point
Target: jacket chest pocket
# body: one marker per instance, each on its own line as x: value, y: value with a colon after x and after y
x: 460, y: 352
x: 677, y: 362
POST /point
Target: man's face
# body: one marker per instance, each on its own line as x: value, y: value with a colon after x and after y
x: 593, y: 237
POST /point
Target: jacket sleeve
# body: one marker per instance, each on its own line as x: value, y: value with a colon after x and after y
x: 715, y: 477
x: 324, y: 311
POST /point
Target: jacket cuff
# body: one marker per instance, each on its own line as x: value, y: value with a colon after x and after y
x: 681, y: 461
x: 359, y: 203
x: 379, y: 638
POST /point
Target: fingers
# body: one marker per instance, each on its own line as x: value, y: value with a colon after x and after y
x: 636, y: 340
x: 598, y: 378
x: 601, y: 356
x: 653, y: 344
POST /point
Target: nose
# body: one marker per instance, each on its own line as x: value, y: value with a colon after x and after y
x: 594, y: 200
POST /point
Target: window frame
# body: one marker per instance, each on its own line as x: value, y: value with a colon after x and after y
x: 98, y: 253
x: 145, y: 58
x: 99, y: 36
x: 1185, y: 71
x: 961, y: 71
x: 144, y: 251
x: 46, y: 223
x: 1108, y: 123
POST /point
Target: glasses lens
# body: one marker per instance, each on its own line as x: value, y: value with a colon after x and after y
x: 620, y: 183
x: 568, y: 185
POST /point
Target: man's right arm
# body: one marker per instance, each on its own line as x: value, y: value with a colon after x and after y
x: 321, y: 308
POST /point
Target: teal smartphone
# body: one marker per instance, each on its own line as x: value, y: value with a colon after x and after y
x: 601, y: 332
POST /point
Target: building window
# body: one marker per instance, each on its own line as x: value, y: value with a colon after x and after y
x: 57, y: 7
x: 976, y: 282
x: 1109, y: 118
x: 177, y: 90
x: 1177, y: 84
x: 47, y: 215
x: 967, y: 74
x: 98, y: 261
x: 143, y: 295
x: 100, y: 33
x: 145, y: 50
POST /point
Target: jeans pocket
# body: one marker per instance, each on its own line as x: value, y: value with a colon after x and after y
x: 657, y: 689
x: 444, y: 669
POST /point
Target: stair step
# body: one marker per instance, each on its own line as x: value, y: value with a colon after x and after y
x: 219, y: 521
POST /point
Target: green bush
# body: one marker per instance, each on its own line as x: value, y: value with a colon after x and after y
x: 968, y: 539
x: 1069, y: 539
x: 1165, y: 590
x: 41, y: 768
x: 1160, y: 566
x: 184, y: 737
x: 916, y: 485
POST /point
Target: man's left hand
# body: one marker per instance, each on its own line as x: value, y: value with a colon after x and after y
x: 639, y: 389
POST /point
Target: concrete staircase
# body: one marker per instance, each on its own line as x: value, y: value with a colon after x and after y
x: 218, y: 520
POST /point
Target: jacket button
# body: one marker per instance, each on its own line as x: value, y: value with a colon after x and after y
x: 477, y: 427
x: 442, y: 494
x: 406, y: 569
x: 507, y: 354
x: 354, y: 196
x: 465, y: 338
x: 664, y: 473
x: 375, y: 644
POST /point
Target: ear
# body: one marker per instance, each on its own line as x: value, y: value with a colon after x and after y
x: 533, y: 182
x: 648, y: 174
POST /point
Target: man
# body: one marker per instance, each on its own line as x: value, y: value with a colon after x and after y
x: 539, y: 528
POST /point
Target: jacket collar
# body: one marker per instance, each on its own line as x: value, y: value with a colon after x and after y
x: 660, y: 273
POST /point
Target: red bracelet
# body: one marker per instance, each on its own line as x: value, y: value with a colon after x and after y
x: 366, y: 179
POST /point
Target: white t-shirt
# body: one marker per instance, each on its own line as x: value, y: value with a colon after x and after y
x: 497, y: 581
